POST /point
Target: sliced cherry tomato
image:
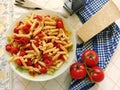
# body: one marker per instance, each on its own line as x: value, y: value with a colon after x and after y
x: 59, y: 23
x: 77, y: 70
x: 62, y: 57
x: 95, y: 74
x: 30, y: 47
x: 38, y: 17
x: 36, y: 65
x: 45, y: 56
x: 16, y: 38
x: 23, y: 41
x: 8, y: 47
x: 90, y: 57
x: 43, y: 70
x: 29, y: 62
x: 16, y: 30
x: 22, y: 52
x: 40, y: 35
x: 36, y: 25
x: 14, y: 50
x: 48, y: 62
x: 36, y: 43
x: 19, y: 63
x: 26, y: 28
x: 20, y: 23
x: 58, y: 45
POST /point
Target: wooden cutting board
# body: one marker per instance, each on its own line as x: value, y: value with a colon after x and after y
x: 108, y: 14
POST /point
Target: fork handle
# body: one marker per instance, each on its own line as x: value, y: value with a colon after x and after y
x: 60, y: 10
x: 64, y: 13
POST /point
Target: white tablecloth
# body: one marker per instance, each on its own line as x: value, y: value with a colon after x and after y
x: 10, y: 80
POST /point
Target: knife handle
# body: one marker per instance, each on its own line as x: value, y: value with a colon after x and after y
x: 108, y: 14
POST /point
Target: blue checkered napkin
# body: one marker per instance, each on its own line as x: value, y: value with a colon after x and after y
x: 103, y: 43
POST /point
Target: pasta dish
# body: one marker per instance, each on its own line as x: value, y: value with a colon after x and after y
x: 40, y: 44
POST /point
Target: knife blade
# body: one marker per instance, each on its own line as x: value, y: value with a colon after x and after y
x: 73, y: 6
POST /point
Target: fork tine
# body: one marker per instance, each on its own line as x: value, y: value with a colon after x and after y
x: 22, y: 0
x: 19, y: 2
x: 26, y: 4
x: 20, y: 5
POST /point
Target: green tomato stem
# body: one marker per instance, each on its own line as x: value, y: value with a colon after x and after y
x: 88, y: 72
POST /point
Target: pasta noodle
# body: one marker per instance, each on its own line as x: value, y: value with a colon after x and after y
x: 50, y: 23
x: 59, y: 64
x: 37, y: 31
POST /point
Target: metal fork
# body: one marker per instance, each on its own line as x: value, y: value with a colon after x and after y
x: 27, y: 4
x: 31, y: 5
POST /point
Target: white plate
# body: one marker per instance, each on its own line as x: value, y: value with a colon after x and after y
x: 63, y: 68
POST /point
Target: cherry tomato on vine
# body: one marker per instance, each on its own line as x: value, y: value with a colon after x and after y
x: 95, y: 74
x: 77, y: 70
x: 89, y: 57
